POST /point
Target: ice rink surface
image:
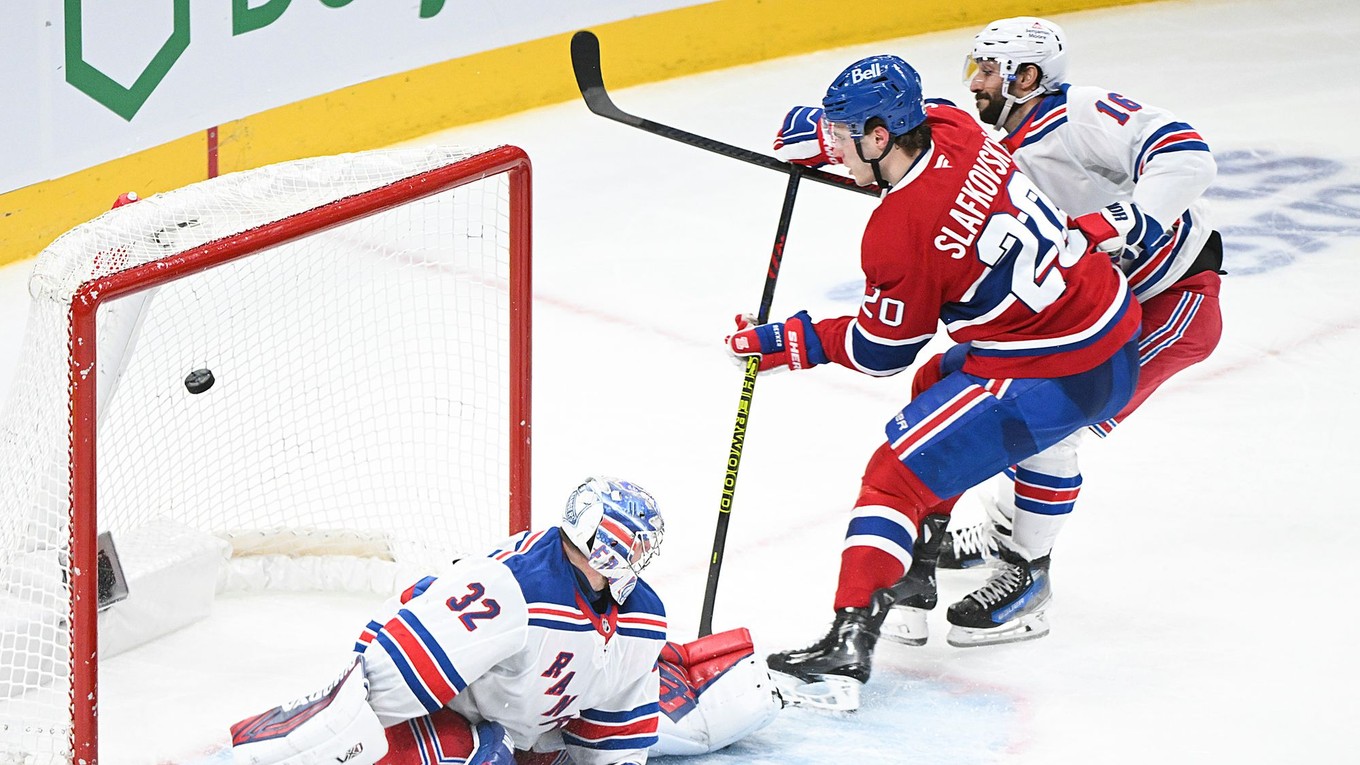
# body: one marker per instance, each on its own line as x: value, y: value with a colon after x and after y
x: 1203, y: 586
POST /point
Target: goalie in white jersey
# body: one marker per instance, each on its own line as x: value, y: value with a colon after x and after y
x: 545, y: 651
x: 1133, y: 176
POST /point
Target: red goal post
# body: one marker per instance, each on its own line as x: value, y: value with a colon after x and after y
x: 433, y: 217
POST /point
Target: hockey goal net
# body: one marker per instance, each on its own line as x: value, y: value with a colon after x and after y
x: 326, y: 358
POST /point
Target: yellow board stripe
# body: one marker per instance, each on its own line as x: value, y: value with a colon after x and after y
x: 400, y: 107
x: 33, y: 216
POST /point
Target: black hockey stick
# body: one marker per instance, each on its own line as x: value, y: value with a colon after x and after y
x: 748, y: 390
x: 585, y: 62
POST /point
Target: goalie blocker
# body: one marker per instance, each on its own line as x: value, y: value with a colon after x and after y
x: 714, y: 691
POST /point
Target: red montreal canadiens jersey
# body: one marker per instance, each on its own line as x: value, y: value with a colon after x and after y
x: 966, y: 240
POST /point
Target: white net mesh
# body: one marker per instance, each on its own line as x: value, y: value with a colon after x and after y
x: 361, y: 389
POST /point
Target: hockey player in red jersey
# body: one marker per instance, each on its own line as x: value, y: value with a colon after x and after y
x: 1045, y: 330
x: 548, y: 650
x: 1133, y: 174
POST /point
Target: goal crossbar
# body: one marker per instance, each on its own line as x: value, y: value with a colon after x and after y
x: 83, y: 380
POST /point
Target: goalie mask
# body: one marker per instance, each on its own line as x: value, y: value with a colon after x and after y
x: 1012, y: 43
x: 617, y: 526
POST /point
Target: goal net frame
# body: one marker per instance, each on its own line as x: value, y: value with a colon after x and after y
x: 83, y: 568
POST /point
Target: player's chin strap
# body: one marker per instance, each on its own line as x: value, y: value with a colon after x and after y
x: 1012, y: 102
x: 878, y: 174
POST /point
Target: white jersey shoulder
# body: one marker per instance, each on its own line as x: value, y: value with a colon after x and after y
x: 1087, y: 147
x: 428, y: 644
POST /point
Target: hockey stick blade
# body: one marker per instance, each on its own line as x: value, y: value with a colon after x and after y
x: 585, y: 63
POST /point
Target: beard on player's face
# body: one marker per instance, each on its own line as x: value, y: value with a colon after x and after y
x: 989, y: 105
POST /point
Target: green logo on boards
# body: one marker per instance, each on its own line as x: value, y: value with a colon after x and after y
x: 125, y: 101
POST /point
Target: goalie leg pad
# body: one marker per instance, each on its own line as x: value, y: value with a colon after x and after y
x: 333, y: 725
x: 714, y: 691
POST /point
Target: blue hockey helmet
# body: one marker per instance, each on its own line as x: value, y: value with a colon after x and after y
x: 618, y: 527
x: 878, y: 86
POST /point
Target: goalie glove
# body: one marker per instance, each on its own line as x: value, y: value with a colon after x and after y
x: 802, y: 138
x: 791, y: 344
x: 714, y: 691
x: 1121, y: 230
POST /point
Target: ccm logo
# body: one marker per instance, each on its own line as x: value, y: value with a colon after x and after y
x: 353, y: 751
x: 860, y: 75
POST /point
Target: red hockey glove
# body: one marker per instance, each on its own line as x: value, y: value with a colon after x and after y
x: 802, y: 138
x: 791, y: 344
x: 1120, y: 230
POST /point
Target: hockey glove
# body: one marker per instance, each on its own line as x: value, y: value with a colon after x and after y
x: 791, y: 344
x: 1121, y: 230
x: 802, y: 138
x: 714, y: 691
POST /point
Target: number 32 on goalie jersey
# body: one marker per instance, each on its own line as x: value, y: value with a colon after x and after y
x: 1032, y: 242
x: 490, y: 609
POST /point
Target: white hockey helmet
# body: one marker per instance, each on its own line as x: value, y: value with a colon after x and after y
x: 618, y: 527
x: 1011, y: 43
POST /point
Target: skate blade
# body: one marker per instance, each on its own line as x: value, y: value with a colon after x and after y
x: 828, y: 692
x: 905, y: 626
x: 1028, y: 627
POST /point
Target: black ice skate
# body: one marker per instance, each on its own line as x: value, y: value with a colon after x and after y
x: 914, y: 595
x: 971, y: 546
x: 976, y: 545
x: 1008, y: 608
x: 829, y: 673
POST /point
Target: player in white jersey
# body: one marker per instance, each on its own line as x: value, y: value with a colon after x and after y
x: 544, y: 651
x: 1133, y: 176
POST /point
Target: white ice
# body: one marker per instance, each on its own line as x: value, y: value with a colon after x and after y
x: 1203, y: 589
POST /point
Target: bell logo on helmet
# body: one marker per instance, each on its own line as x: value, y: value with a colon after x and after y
x: 874, y: 70
x: 883, y: 87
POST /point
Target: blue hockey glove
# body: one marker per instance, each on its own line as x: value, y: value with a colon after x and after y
x: 802, y: 138
x: 791, y: 344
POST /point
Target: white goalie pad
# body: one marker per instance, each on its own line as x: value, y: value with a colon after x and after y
x: 333, y: 725
x: 714, y: 692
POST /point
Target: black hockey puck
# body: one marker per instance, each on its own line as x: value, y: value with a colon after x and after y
x: 199, y: 380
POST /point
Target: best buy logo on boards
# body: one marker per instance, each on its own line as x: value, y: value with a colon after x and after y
x: 125, y: 101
